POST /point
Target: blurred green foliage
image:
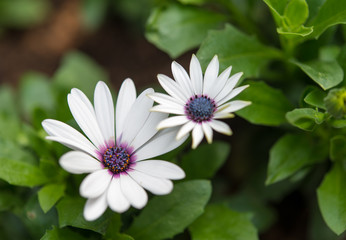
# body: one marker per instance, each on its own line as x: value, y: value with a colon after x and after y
x: 293, y: 56
x: 21, y: 14
x: 294, y: 62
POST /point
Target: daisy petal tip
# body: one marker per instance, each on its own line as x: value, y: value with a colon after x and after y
x: 248, y: 103
x: 194, y: 145
x: 89, y: 217
x: 180, y: 136
x: 229, y: 132
x: 153, y: 109
x: 160, y: 127
x: 177, y: 138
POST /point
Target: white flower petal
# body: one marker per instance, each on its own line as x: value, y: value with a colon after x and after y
x: 185, y: 129
x: 79, y: 162
x: 165, y: 99
x: 223, y: 115
x: 133, y: 192
x: 172, y: 122
x: 126, y: 97
x: 168, y: 109
x: 85, y: 119
x: 68, y: 136
x: 161, y: 169
x: 115, y: 197
x: 232, y: 94
x: 162, y: 142
x: 220, y: 127
x: 84, y: 98
x: 230, y: 84
x: 148, y: 130
x: 137, y: 116
x: 233, y: 106
x: 182, y: 78
x: 172, y: 88
x: 210, y: 75
x: 208, y: 132
x: 158, y: 186
x: 196, y: 75
x: 95, y: 184
x: 104, y: 110
x: 95, y: 207
x: 197, y: 135
x: 220, y: 83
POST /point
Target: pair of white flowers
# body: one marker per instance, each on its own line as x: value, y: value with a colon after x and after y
x: 118, y: 157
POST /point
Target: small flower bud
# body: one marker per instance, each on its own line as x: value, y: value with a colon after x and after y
x: 335, y: 102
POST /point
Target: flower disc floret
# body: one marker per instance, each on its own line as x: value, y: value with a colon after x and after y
x: 200, y: 108
x: 116, y: 159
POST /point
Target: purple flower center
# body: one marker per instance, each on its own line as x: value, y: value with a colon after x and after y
x: 200, y: 108
x: 116, y: 159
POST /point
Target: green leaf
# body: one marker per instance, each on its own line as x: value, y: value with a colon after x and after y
x: 335, y: 102
x: 268, y: 107
x: 263, y: 216
x: 166, y: 216
x: 341, y: 58
x: 12, y: 150
x: 305, y: 118
x: 246, y: 54
x: 70, y: 211
x: 290, y: 17
x: 296, y: 13
x: 315, y: 98
x: 204, y: 162
x: 329, y: 53
x: 177, y: 28
x: 79, y: 71
x: 8, y: 200
x: 10, y: 127
x: 301, y: 31
x: 93, y: 13
x: 121, y: 236
x: 291, y: 153
x: 23, y: 13
x: 332, y: 12
x: 35, y: 220
x: 49, y: 195
x: 61, y: 234
x: 338, y: 148
x: 35, y: 92
x: 220, y: 222
x: 8, y: 105
x: 332, y: 199
x: 337, y: 123
x: 21, y: 173
x: 277, y: 6
x: 194, y: 2
x: 326, y: 74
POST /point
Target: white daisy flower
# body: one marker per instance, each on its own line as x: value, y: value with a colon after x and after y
x: 118, y: 172
x: 198, y: 101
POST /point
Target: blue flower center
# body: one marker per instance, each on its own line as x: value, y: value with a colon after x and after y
x: 116, y: 159
x: 200, y: 108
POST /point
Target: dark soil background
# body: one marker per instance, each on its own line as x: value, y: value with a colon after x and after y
x: 123, y: 52
x: 119, y: 48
